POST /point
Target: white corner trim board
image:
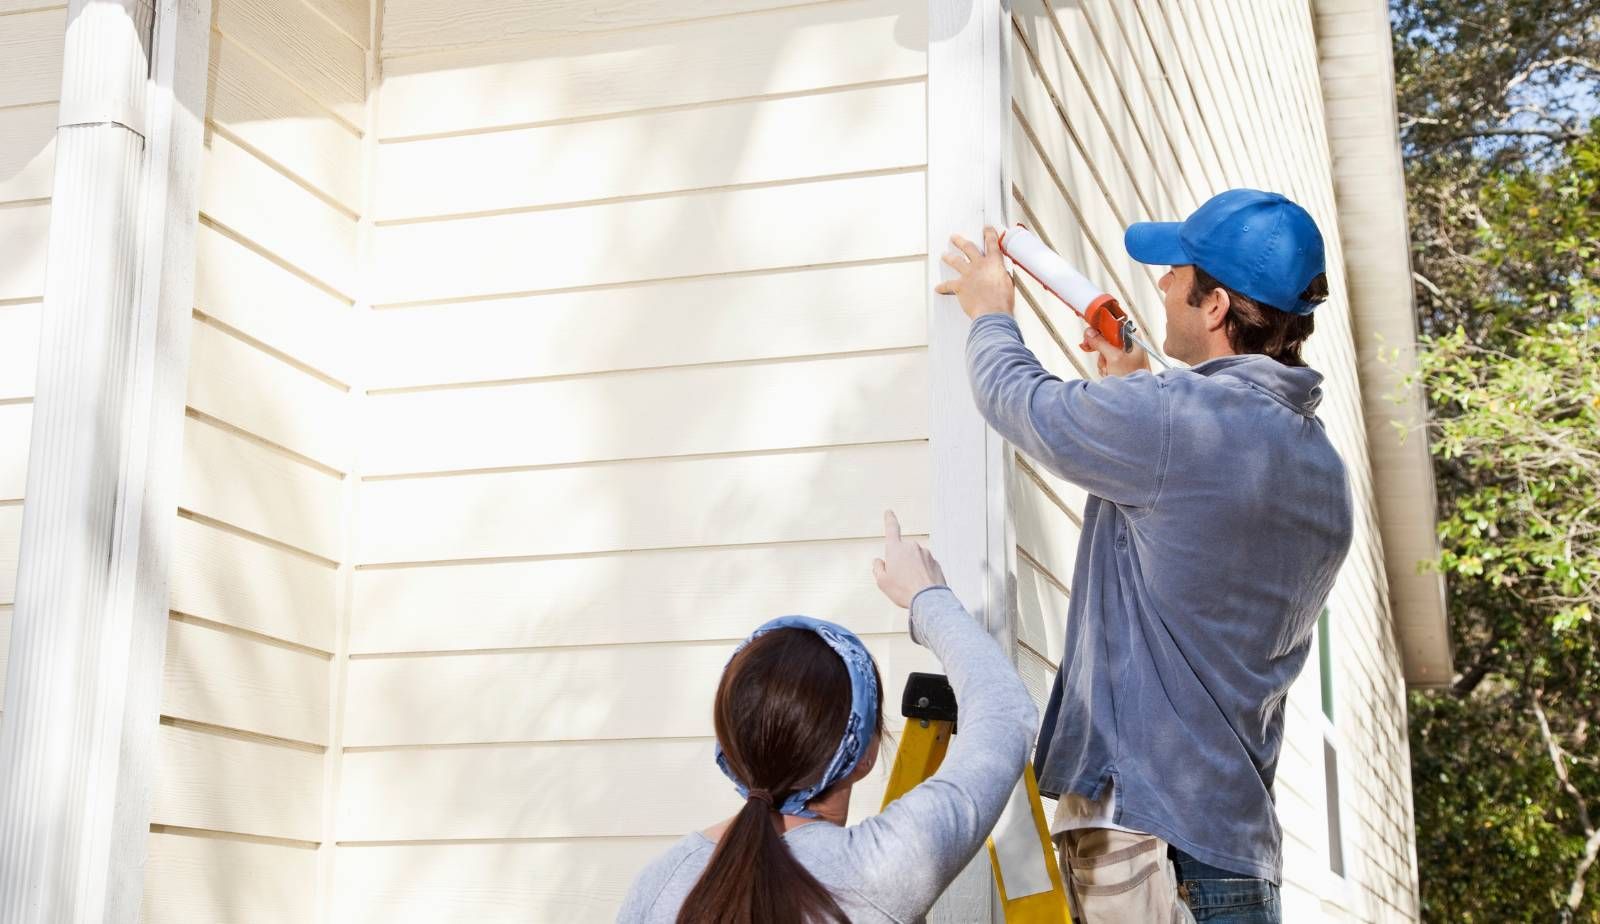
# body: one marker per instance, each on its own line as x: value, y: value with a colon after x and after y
x: 89, y: 625
x: 967, y: 127
x: 965, y: 193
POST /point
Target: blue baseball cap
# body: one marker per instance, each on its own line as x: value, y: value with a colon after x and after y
x: 1256, y: 243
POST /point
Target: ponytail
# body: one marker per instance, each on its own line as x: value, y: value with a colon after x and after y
x: 752, y: 877
x: 780, y: 712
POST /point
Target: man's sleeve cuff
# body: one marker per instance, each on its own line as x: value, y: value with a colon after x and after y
x: 1004, y: 320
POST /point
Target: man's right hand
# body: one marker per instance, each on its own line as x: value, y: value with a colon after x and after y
x: 1111, y: 360
x: 906, y: 567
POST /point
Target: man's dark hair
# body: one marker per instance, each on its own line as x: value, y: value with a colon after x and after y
x: 1256, y: 328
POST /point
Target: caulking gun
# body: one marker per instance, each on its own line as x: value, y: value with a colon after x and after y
x: 1100, y: 310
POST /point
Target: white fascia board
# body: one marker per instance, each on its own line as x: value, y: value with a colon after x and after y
x: 1372, y: 225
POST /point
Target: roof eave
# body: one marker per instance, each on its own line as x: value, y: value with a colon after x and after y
x: 1357, y: 73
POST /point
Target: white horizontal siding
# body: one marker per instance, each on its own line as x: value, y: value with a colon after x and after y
x: 27, y: 151
x: 16, y: 422
x: 257, y: 108
x: 239, y: 805
x: 244, y: 289
x: 648, y: 362
x: 801, y: 48
x: 226, y: 576
x: 203, y: 878
x: 803, y: 312
x: 220, y: 677
x: 603, y: 693
x: 10, y: 541
x: 24, y: 230
x: 414, y: 27
x: 848, y: 130
x: 674, y: 503
x: 490, y: 883
x: 305, y: 46
x: 767, y: 406
x: 696, y: 234
x: 576, y: 797
x: 219, y: 780
x: 260, y: 490
x: 30, y: 55
x: 613, y: 598
x: 254, y: 200
x: 31, y: 38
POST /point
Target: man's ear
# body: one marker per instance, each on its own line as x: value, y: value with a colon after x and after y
x: 1215, y: 307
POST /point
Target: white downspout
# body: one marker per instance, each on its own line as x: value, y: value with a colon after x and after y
x: 89, y: 623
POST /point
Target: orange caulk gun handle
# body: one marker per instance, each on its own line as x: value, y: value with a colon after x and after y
x: 1107, y: 317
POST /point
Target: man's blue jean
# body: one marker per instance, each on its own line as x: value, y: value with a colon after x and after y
x: 1216, y: 896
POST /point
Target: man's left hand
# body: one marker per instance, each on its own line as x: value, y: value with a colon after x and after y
x: 983, y: 286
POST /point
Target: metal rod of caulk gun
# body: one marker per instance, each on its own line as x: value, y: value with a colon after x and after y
x: 1097, y: 309
x: 1154, y: 354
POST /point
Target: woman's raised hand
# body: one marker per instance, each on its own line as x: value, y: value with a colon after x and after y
x: 906, y: 567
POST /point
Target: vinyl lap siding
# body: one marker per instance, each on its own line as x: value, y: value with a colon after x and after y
x: 1113, y: 123
x: 238, y: 812
x: 520, y: 393
x: 31, y: 36
x: 646, y: 360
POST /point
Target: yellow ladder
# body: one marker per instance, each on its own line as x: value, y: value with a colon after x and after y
x: 1016, y: 845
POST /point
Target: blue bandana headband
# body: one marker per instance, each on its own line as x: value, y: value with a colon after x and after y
x: 863, y: 708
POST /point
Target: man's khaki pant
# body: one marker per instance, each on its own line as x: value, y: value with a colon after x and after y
x: 1117, y: 877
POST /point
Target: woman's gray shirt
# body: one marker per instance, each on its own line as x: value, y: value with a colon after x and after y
x: 894, y: 865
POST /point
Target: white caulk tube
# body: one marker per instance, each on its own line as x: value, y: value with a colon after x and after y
x: 1087, y: 300
x: 1026, y: 250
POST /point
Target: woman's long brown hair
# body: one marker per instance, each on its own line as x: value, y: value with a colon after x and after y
x: 780, y: 711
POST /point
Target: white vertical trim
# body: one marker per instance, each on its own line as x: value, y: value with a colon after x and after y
x: 967, y: 121
x: 358, y: 375
x: 89, y: 624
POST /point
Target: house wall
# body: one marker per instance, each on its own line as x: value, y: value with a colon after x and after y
x: 239, y: 807
x: 646, y: 360
x: 1115, y: 122
x: 31, y: 36
x: 414, y: 658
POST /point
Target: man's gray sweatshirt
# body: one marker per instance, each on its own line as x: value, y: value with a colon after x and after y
x: 893, y: 866
x: 1218, y: 516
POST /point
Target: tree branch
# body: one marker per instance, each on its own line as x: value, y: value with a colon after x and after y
x: 1467, y: 682
x: 1591, y: 847
x: 1562, y: 135
x: 1591, y: 844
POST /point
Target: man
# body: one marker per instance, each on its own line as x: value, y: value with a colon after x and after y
x: 1218, y: 516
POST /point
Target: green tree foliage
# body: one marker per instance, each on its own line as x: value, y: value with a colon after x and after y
x: 1484, y: 86
x: 1497, y: 107
x: 1503, y: 834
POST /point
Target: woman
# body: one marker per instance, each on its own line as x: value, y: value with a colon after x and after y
x: 799, y: 716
